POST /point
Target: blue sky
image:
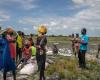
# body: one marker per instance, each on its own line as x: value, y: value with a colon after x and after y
x: 60, y: 16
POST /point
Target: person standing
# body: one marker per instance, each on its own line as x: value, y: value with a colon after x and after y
x: 73, y: 43
x: 19, y: 46
x: 97, y: 55
x: 77, y: 44
x: 41, y: 51
x: 83, y: 48
x: 12, y: 43
x: 55, y: 49
x: 6, y: 61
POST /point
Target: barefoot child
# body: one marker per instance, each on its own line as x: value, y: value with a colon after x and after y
x: 77, y: 44
x: 73, y: 43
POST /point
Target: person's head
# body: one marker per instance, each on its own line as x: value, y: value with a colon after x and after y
x: 41, y: 35
x: 23, y: 34
x: 9, y: 30
x: 54, y: 45
x: 77, y: 35
x: 19, y: 32
x: 42, y: 29
x: 11, y: 33
x: 83, y: 31
x: 27, y: 45
x: 32, y: 43
x: 31, y: 35
x: 73, y: 35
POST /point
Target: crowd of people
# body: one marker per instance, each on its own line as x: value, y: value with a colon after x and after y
x: 16, y: 48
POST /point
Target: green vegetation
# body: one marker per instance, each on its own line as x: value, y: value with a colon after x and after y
x: 67, y: 68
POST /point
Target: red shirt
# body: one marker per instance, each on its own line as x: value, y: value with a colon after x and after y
x: 27, y: 53
x: 12, y: 46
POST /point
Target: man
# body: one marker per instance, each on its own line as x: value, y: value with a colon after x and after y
x: 19, y: 46
x: 83, y: 48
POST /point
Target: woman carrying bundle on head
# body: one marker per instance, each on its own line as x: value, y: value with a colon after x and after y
x: 41, y: 50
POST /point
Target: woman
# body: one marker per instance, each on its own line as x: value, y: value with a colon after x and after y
x: 7, y: 63
x: 11, y: 39
x: 41, y: 51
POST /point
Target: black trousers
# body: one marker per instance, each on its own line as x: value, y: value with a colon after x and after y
x: 81, y: 56
x: 41, y: 59
x: 18, y: 54
x: 5, y: 73
x: 97, y: 55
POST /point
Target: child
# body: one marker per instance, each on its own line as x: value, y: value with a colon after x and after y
x: 26, y: 55
x: 77, y: 44
x: 31, y: 39
x: 73, y: 43
x: 33, y: 50
x: 55, y: 49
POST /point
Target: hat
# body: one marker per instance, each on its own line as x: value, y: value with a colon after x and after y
x: 9, y: 30
x: 42, y: 29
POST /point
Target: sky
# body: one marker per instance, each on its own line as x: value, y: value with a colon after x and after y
x: 61, y: 17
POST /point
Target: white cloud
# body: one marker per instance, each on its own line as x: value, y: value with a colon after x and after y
x: 65, y: 26
x: 3, y: 17
x: 26, y: 4
x: 52, y: 23
x: 88, y: 18
x: 79, y: 1
x: 27, y: 20
x: 21, y: 4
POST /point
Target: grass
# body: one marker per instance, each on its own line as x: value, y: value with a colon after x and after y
x: 67, y: 68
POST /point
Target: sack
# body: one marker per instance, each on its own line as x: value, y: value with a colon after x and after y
x: 29, y: 69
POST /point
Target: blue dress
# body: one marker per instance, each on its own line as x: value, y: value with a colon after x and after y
x: 6, y: 62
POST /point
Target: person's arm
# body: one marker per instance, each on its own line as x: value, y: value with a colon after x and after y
x: 37, y: 43
x: 30, y: 51
x: 84, y: 41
